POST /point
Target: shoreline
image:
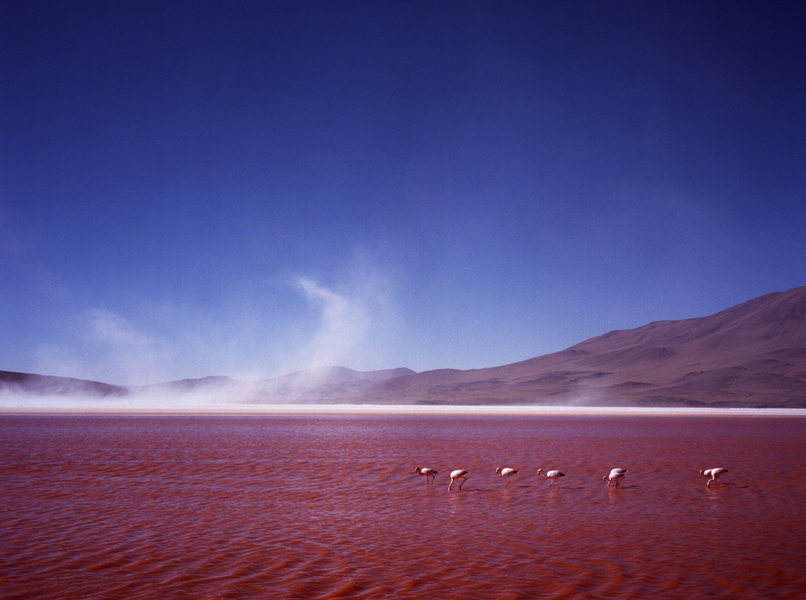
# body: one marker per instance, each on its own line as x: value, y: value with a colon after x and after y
x: 402, y: 409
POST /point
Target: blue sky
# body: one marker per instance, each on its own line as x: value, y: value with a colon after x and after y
x: 250, y: 188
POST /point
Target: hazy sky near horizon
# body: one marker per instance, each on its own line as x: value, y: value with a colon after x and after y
x: 252, y: 188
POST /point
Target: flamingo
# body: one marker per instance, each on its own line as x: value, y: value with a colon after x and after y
x: 616, y: 475
x: 505, y: 472
x: 456, y: 475
x: 428, y: 472
x: 714, y: 474
x: 554, y: 475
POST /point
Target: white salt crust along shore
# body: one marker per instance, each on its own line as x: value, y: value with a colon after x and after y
x: 89, y: 407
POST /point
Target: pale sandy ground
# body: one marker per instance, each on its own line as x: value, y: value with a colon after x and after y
x: 43, y: 407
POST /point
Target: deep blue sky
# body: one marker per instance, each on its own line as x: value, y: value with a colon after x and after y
x: 250, y: 188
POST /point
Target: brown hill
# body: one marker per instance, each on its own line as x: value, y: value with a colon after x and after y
x: 751, y: 355
x: 46, y: 385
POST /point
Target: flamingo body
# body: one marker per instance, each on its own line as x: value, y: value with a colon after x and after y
x: 428, y: 472
x: 615, y: 475
x: 457, y: 475
x: 505, y: 472
x: 713, y: 474
x: 554, y: 475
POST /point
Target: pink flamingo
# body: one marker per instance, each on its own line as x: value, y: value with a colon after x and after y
x: 455, y: 476
x: 428, y: 472
x: 616, y: 475
x: 505, y: 472
x: 554, y: 475
x: 714, y: 474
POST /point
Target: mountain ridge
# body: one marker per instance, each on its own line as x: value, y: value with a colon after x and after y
x: 750, y: 355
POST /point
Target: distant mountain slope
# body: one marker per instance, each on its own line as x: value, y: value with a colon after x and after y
x: 753, y: 354
x: 750, y: 355
x: 333, y: 376
x: 187, y: 386
x: 324, y: 385
x: 46, y: 385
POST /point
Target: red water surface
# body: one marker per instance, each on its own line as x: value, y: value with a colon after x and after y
x: 329, y: 507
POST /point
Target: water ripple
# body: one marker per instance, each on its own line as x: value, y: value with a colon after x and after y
x: 329, y: 507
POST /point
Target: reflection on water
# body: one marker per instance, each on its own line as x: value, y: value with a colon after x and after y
x: 329, y: 507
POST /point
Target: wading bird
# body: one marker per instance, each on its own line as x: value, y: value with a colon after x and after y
x: 554, y: 475
x: 505, y: 472
x: 616, y: 475
x: 428, y: 472
x: 455, y: 476
x: 713, y: 474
